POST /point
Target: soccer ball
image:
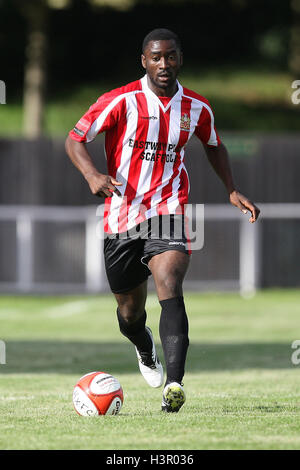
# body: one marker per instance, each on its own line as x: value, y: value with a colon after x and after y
x: 97, y: 393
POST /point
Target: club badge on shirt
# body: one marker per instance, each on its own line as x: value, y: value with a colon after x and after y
x: 185, y: 122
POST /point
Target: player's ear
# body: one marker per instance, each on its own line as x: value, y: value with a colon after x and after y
x: 143, y: 60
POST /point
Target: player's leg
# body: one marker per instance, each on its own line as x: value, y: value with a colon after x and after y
x: 132, y: 321
x: 132, y: 316
x: 168, y: 270
x: 127, y: 277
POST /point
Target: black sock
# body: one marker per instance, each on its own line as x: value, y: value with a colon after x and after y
x: 136, y: 332
x: 173, y: 330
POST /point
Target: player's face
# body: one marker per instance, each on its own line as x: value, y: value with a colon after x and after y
x: 162, y: 61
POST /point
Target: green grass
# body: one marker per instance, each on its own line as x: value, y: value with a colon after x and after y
x: 242, y: 388
x: 242, y: 99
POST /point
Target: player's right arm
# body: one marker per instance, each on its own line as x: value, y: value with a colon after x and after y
x: 100, y: 185
x: 101, y: 116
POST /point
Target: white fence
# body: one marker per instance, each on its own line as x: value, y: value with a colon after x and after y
x: 249, y: 246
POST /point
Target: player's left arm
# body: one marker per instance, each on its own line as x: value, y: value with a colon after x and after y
x: 218, y: 158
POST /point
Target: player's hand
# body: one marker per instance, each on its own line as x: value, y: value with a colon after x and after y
x: 237, y: 199
x: 103, y: 185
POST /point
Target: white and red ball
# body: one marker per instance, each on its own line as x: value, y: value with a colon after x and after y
x: 98, y: 393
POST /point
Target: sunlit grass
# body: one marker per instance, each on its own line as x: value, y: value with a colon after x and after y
x: 242, y: 387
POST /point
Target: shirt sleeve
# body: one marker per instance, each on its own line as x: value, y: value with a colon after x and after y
x: 101, y: 116
x: 205, y: 129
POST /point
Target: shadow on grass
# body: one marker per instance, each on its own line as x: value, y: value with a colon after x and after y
x: 78, y: 357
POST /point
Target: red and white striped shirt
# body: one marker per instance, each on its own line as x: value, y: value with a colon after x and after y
x: 145, y: 144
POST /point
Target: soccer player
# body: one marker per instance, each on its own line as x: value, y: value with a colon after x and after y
x: 147, y: 124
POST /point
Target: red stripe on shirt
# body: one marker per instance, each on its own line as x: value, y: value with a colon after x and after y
x: 167, y: 190
x: 114, y: 143
x: 159, y: 165
x: 204, y: 127
x: 183, y: 191
x: 136, y: 162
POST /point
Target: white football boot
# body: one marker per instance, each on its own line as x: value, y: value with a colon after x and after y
x: 150, y: 365
x: 173, y: 397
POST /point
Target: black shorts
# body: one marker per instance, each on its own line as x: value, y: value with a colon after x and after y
x: 126, y: 255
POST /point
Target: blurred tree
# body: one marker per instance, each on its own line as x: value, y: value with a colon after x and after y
x: 117, y: 4
x: 294, y: 52
x: 98, y: 41
x: 36, y: 14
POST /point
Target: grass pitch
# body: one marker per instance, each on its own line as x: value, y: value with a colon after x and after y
x: 242, y: 387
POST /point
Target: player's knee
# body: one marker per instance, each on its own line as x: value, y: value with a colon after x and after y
x: 130, y: 314
x: 171, y: 285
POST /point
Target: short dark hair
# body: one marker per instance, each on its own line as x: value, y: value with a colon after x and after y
x: 161, y: 34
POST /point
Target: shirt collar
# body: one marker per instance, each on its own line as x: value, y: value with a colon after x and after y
x: 151, y: 94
